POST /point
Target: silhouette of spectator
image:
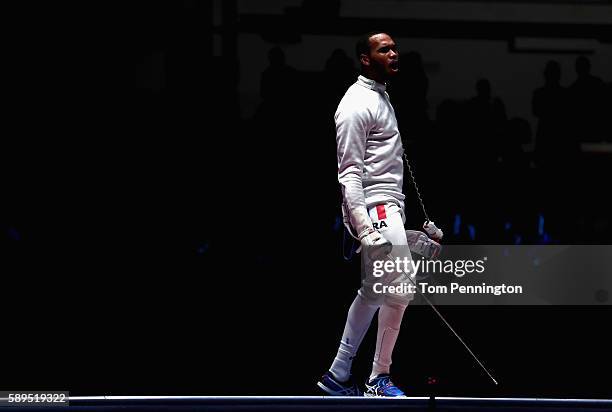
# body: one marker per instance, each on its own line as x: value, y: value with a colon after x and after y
x: 510, y: 174
x: 518, y: 133
x: 486, y: 119
x: 550, y: 106
x: 587, y: 96
x: 449, y: 134
x: 409, y: 93
x: 485, y: 122
x: 275, y: 116
x: 277, y: 77
x: 449, y: 129
x: 340, y: 73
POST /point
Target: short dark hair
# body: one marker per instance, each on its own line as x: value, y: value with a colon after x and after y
x: 363, y: 43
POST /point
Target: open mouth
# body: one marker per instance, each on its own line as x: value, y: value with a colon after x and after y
x: 394, y: 65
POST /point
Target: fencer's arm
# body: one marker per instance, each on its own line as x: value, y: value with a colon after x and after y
x: 352, y: 125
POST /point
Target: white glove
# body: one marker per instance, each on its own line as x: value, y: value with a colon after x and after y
x: 375, y: 244
x: 360, y: 221
x: 432, y: 231
x: 419, y: 243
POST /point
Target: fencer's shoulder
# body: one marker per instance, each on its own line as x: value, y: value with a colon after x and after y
x: 361, y: 94
x: 358, y: 101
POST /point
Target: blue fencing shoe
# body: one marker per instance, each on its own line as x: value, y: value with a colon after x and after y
x: 335, y: 388
x: 382, y: 386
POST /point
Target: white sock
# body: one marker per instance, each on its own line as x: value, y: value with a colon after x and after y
x: 389, y: 322
x: 359, y: 318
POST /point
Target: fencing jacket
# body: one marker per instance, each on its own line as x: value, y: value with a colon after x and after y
x: 369, y: 148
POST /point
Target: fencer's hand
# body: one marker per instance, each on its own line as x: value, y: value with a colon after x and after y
x: 420, y: 243
x: 432, y: 231
x: 375, y: 244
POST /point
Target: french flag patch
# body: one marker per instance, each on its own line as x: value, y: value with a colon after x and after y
x: 380, y: 210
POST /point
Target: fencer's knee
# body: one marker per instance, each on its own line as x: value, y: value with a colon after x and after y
x: 370, y: 297
x: 375, y: 294
x: 399, y: 300
x: 363, y: 300
x: 396, y: 302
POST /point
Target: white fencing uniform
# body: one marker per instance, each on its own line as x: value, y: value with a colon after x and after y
x: 370, y: 168
x: 369, y: 148
x: 370, y: 172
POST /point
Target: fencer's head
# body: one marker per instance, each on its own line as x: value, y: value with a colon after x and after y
x: 378, y: 56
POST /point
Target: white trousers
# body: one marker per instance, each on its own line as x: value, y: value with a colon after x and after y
x: 388, y: 219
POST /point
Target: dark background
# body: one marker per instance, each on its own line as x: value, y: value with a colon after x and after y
x: 172, y: 227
